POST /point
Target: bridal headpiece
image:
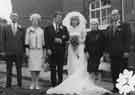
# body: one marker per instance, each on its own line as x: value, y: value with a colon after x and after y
x: 74, y: 15
x: 35, y: 16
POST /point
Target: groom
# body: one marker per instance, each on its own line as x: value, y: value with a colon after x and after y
x: 56, y: 36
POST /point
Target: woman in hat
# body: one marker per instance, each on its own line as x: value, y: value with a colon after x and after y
x: 35, y: 49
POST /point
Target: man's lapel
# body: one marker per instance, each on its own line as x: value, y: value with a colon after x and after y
x: 53, y: 28
x: 14, y: 29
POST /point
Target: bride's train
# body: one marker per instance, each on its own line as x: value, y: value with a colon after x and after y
x: 78, y: 84
x: 79, y: 80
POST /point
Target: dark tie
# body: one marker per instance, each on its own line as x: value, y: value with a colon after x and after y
x: 57, y: 27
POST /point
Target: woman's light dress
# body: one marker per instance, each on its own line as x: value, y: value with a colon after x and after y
x: 35, y: 40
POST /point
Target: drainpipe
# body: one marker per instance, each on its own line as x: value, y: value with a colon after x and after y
x: 123, y: 11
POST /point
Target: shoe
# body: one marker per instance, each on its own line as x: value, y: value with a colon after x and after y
x: 37, y: 87
x: 32, y: 86
x: 53, y: 85
x: 8, y: 86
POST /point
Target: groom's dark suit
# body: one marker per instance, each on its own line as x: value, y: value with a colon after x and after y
x: 58, y: 50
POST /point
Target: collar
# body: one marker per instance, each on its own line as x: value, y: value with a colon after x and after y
x: 16, y: 25
x: 54, y: 25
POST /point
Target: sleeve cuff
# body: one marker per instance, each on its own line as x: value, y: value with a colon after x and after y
x: 44, y: 47
x: 27, y: 46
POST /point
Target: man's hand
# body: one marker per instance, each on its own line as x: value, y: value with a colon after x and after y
x: 107, y: 56
x: 87, y: 55
x: 126, y: 54
x: 3, y: 53
x: 49, y: 52
x: 58, y: 40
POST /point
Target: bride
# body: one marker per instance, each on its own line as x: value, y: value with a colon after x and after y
x: 78, y: 81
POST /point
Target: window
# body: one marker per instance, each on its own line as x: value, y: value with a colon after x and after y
x: 100, y: 9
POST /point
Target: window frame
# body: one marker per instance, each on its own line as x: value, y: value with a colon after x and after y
x: 100, y: 9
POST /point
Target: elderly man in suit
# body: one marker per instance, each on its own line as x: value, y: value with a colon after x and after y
x: 118, y: 35
x: 56, y: 36
x: 14, y: 48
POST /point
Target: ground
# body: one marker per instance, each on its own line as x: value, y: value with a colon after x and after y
x: 44, y: 83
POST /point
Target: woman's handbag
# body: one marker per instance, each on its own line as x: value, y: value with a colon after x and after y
x: 45, y: 67
x: 45, y: 64
x: 104, y: 66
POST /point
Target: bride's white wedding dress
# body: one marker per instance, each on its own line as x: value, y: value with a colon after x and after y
x: 79, y: 80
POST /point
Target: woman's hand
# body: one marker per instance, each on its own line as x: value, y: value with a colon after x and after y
x: 44, y: 53
x: 83, y: 36
x: 49, y: 52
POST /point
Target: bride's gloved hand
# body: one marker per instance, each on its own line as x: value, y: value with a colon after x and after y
x: 87, y: 55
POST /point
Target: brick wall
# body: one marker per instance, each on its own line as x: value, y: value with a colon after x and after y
x: 116, y: 4
x: 71, y: 5
x: 45, y: 7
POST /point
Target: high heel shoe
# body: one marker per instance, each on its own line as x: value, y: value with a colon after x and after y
x: 32, y: 86
x: 38, y: 87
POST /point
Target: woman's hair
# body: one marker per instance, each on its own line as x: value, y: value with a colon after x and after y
x: 13, y: 14
x: 75, y: 18
x: 35, y: 16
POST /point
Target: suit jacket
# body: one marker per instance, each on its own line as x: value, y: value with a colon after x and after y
x: 94, y: 43
x: 118, y: 41
x: 14, y: 44
x: 1, y: 38
x: 51, y: 34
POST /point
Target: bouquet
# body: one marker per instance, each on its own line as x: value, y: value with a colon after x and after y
x: 74, y: 41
